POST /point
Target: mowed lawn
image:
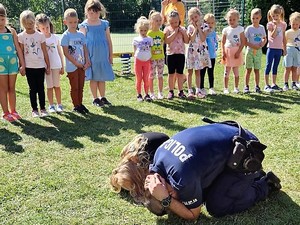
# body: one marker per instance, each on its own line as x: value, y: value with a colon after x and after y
x: 55, y: 169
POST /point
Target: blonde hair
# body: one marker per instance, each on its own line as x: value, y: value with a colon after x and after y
x: 294, y: 16
x: 209, y: 16
x: 192, y: 11
x: 131, y: 172
x: 70, y: 12
x: 141, y: 22
x: 96, y: 6
x: 152, y: 15
x: 43, y: 19
x: 25, y: 17
x: 2, y: 10
x: 276, y: 9
x: 256, y: 11
x: 232, y: 12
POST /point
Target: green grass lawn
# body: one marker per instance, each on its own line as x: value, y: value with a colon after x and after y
x: 55, y: 170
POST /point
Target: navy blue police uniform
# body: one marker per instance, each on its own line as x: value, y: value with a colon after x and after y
x: 194, y: 161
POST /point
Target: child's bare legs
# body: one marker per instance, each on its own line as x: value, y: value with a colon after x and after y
x: 93, y: 88
x: 256, y: 72
x: 247, y: 76
x: 50, y: 95
x: 4, y: 86
x: 160, y: 84
x: 171, y: 81
x: 189, y: 81
x: 226, y: 79
x: 57, y: 91
x: 236, y: 79
x: 197, y: 79
x: 287, y: 74
x: 151, y: 81
x: 180, y: 79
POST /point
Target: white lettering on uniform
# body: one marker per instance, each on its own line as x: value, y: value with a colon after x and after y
x: 190, y: 202
x: 177, y: 149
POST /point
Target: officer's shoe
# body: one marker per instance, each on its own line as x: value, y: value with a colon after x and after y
x: 273, y: 182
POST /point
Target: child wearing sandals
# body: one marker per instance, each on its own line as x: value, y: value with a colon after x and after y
x: 197, y: 55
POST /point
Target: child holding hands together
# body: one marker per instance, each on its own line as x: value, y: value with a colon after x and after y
x: 74, y: 47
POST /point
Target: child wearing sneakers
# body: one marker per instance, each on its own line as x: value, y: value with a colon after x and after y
x: 292, y: 58
x: 142, y: 55
x: 276, y: 45
x: 74, y: 47
x: 175, y: 38
x: 158, y: 56
x: 9, y: 54
x: 197, y: 55
x: 45, y: 26
x: 37, y: 63
x: 255, y: 40
x: 212, y: 44
x: 233, y: 41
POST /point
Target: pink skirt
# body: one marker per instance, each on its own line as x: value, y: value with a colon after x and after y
x: 230, y: 61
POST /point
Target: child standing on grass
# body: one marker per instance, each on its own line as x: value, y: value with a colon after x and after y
x: 45, y: 26
x: 74, y: 47
x: 255, y: 40
x: 99, y: 46
x: 276, y: 45
x: 197, y: 55
x: 175, y: 38
x: 142, y: 55
x: 212, y: 43
x: 292, y: 58
x: 10, y: 52
x: 158, y: 57
x: 33, y: 45
x: 233, y: 41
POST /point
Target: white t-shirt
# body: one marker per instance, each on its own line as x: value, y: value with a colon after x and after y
x: 33, y: 54
x: 52, y: 42
x: 143, y: 47
x: 232, y: 36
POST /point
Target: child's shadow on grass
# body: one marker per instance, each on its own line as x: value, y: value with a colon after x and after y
x: 278, y: 209
x: 217, y: 105
x: 9, y: 139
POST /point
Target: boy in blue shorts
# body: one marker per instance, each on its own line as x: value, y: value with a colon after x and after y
x: 256, y: 39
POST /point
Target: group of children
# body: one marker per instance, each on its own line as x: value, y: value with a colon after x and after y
x: 37, y: 53
x: 200, y: 56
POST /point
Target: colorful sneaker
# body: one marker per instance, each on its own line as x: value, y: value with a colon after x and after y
x: 16, y: 115
x: 105, y: 101
x: 44, y: 112
x: 257, y: 89
x: 294, y: 87
x: 181, y: 95
x: 152, y: 96
x: 139, y: 98
x: 170, y: 95
x: 8, y: 117
x: 147, y: 98
x: 203, y: 91
x: 276, y: 88
x: 200, y: 95
x: 35, y: 113
x: 84, y: 109
x: 59, y: 108
x: 160, y: 95
x: 97, y: 102
x: 236, y: 90
x: 226, y: 91
x: 52, y: 109
x: 191, y: 96
x: 268, y: 89
x: 211, y: 91
x: 285, y: 87
x: 246, y: 89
